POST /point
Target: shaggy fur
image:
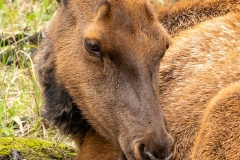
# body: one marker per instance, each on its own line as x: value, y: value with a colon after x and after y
x: 199, y: 64
x: 219, y: 135
x: 188, y: 13
x: 59, y: 107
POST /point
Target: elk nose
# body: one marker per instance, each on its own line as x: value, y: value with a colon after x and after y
x: 147, y: 155
x: 158, y: 151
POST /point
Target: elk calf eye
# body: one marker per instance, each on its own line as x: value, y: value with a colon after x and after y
x: 93, y: 47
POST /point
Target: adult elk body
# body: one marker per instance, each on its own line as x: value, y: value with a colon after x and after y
x: 98, y: 68
x: 200, y: 78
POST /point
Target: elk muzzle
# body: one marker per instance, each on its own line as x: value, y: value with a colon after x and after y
x: 149, y: 147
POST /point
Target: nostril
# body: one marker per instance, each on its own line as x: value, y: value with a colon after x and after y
x: 154, y: 150
x: 146, y: 155
x: 141, y: 148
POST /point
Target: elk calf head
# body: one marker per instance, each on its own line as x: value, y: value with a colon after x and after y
x: 98, y: 67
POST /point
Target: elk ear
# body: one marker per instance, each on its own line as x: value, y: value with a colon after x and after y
x: 63, y: 2
x: 103, y: 11
x: 150, y: 12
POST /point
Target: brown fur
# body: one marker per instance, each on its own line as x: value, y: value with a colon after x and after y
x: 201, y: 62
x: 110, y: 95
x: 97, y: 147
x: 188, y: 13
x: 219, y: 135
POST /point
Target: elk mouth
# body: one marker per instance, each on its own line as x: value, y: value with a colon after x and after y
x: 145, y: 155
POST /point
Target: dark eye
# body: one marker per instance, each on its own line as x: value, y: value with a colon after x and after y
x: 93, y: 47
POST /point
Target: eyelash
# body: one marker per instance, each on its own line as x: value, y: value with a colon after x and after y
x: 93, y: 47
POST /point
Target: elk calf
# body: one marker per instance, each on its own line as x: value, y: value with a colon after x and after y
x: 98, y: 69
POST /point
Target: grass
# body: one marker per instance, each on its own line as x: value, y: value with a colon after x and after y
x: 20, y: 101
